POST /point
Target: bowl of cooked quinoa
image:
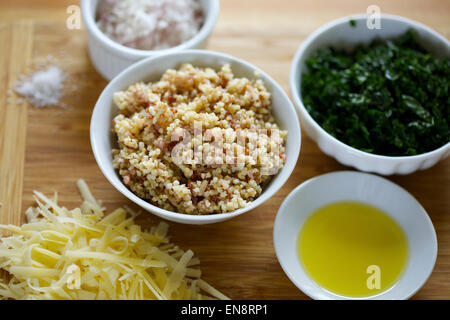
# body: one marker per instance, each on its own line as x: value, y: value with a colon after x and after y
x: 195, y: 137
x: 122, y: 32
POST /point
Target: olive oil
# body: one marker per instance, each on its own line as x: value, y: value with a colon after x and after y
x: 352, y: 249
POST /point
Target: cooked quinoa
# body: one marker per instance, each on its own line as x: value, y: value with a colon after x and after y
x: 150, y: 115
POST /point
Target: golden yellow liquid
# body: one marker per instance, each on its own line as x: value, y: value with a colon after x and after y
x: 352, y: 249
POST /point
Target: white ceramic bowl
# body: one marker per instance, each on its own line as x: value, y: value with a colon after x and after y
x: 359, y: 187
x: 110, y: 57
x: 341, y: 34
x: 151, y: 69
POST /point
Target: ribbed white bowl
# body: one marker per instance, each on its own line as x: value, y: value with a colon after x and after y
x: 341, y: 34
x: 110, y: 57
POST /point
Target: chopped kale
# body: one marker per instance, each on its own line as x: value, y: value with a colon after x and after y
x: 389, y: 98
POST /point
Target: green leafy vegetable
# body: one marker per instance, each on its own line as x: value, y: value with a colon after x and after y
x: 389, y: 98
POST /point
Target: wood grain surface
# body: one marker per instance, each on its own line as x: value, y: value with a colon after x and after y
x: 49, y: 149
x: 14, y: 59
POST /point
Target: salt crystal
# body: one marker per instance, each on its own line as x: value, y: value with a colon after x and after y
x: 43, y: 88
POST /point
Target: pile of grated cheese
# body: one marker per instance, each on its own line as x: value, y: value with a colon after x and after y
x: 42, y: 88
x: 83, y: 254
x: 150, y: 24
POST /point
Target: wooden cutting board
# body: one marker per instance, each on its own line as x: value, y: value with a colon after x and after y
x: 49, y: 149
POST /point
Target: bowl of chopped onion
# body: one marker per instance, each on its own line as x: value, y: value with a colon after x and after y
x: 121, y: 33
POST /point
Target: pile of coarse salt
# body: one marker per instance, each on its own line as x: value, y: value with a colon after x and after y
x: 150, y: 24
x: 42, y: 88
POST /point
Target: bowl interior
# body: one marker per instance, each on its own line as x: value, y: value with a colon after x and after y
x: 359, y: 187
x: 103, y: 141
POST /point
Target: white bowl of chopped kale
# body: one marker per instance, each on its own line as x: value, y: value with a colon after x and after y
x: 376, y: 99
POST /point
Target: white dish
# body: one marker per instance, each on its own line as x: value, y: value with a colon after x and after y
x: 151, y: 69
x: 110, y: 57
x: 359, y: 187
x: 341, y: 34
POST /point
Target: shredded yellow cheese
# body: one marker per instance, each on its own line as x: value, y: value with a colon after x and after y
x: 83, y: 254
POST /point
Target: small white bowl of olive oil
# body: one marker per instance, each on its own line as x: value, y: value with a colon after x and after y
x: 353, y: 235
